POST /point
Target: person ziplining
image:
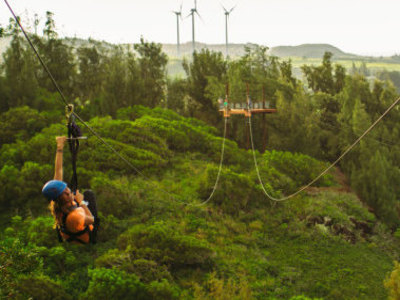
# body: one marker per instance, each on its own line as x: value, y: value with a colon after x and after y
x: 75, y: 214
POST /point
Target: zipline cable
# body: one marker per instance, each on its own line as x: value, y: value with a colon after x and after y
x: 327, y: 169
x: 172, y: 197
x: 354, y: 132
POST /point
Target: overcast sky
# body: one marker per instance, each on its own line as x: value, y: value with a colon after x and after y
x: 367, y: 27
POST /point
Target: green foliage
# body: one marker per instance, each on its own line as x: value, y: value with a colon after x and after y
x: 116, y: 197
x: 176, y: 95
x: 322, y: 79
x: 299, y: 167
x: 16, y: 259
x: 204, y: 66
x: 20, y: 123
x: 302, y: 297
x: 392, y: 282
x: 18, y: 65
x: 220, y: 289
x: 152, y: 63
x: 163, y: 290
x: 146, y: 270
x: 162, y: 243
x: 41, y: 232
x: 114, y: 284
x: 41, y: 287
x: 234, y: 190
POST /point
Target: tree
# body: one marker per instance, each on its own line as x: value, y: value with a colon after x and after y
x: 176, y: 94
x: 91, y: 75
x: 20, y: 82
x: 205, y: 64
x: 322, y: 79
x: 152, y: 64
x: 114, y: 91
x: 57, y: 57
x: 20, y: 123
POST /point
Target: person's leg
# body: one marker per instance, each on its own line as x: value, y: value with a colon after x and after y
x: 90, y: 197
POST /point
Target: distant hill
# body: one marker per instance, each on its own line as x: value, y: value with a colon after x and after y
x: 309, y: 51
x: 236, y: 50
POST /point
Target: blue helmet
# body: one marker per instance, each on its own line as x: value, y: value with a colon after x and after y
x: 53, y: 189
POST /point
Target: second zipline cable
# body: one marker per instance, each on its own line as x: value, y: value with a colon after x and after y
x: 327, y: 169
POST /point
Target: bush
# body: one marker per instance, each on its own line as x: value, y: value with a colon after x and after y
x: 20, y: 123
x: 163, y: 290
x: 41, y: 287
x: 300, y: 168
x: 162, y: 243
x: 233, y: 190
x: 392, y: 282
x: 146, y: 270
x: 114, y: 284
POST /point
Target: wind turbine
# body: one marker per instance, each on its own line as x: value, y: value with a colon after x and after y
x: 226, y: 26
x: 178, y: 16
x: 192, y: 12
x: 36, y: 22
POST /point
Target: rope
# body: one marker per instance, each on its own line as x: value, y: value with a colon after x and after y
x: 172, y: 197
x: 328, y: 168
x: 220, y: 166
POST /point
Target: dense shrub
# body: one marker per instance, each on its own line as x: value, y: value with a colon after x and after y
x: 162, y: 243
x: 233, y: 192
x: 392, y: 282
x: 114, y: 284
x: 41, y: 287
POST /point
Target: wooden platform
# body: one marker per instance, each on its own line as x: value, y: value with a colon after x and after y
x: 247, y: 112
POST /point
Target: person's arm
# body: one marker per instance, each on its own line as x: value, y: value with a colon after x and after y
x: 58, y: 169
x: 89, y: 219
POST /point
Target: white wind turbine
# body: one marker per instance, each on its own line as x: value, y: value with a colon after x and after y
x: 178, y: 16
x: 227, y: 12
x: 192, y: 12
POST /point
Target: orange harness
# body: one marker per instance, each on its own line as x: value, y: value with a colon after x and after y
x: 72, y: 236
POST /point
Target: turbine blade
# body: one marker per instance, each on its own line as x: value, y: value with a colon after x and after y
x: 232, y: 9
x: 199, y: 16
x: 224, y: 8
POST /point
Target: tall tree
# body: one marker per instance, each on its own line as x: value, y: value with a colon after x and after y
x: 91, y: 75
x: 20, y: 82
x: 205, y: 64
x: 322, y: 79
x: 59, y: 59
x: 152, y: 62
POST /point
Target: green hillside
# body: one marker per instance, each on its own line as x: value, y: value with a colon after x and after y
x: 322, y: 244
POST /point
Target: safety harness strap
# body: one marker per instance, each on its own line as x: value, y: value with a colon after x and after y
x: 74, y: 132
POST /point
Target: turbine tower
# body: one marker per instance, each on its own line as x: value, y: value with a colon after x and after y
x: 178, y: 16
x: 226, y: 27
x: 192, y: 12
